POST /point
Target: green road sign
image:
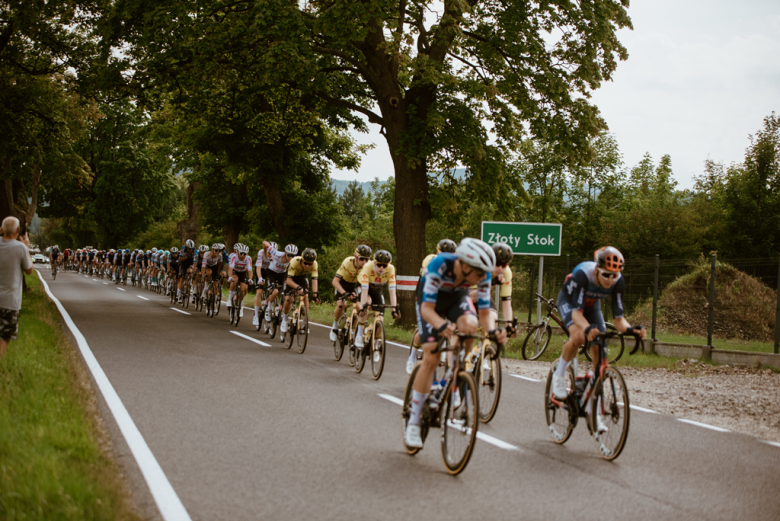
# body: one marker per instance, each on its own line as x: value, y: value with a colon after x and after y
x: 525, y: 238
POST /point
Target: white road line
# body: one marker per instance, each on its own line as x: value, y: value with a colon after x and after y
x: 386, y: 341
x: 139, y: 296
x: 105, y: 283
x: 480, y: 435
x: 120, y: 289
x: 95, y: 280
x: 525, y: 378
x: 180, y: 311
x: 251, y: 339
x: 638, y: 408
x: 171, y: 507
x: 706, y: 426
x: 774, y: 443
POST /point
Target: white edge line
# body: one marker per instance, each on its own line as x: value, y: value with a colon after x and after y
x: 774, y: 443
x: 105, y: 283
x: 643, y: 409
x: 481, y: 435
x: 525, y: 378
x: 242, y: 335
x: 180, y: 311
x: 706, y: 426
x: 95, y: 280
x: 120, y: 289
x: 171, y: 507
x: 139, y: 296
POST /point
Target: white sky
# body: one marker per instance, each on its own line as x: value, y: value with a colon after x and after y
x: 700, y: 77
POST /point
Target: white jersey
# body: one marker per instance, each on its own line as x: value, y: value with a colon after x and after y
x: 276, y: 261
x: 263, y: 261
x: 211, y: 259
x: 239, y: 265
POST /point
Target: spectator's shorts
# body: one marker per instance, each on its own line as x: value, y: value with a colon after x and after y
x: 9, y: 324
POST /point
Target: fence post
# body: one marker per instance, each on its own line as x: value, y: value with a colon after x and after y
x: 777, y: 313
x: 541, y: 290
x: 712, y: 301
x: 567, y: 265
x: 530, y: 291
x: 655, y: 294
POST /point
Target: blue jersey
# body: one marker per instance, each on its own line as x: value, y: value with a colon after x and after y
x: 226, y: 258
x: 581, y: 291
x: 439, y: 279
x: 187, y: 254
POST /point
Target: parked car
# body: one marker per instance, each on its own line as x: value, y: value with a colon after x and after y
x: 39, y: 259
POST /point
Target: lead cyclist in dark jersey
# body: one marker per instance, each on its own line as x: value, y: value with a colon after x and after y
x: 578, y: 302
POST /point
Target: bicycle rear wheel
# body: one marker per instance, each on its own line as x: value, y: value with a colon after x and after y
x: 406, y: 412
x: 292, y: 326
x: 378, y: 350
x: 488, y: 380
x: 302, y: 334
x: 351, y: 340
x: 238, y: 306
x: 360, y: 353
x: 610, y: 403
x: 274, y: 320
x: 536, y: 341
x: 459, y: 429
x: 560, y: 419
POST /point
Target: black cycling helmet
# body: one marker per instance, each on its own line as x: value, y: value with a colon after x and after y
x: 309, y: 255
x: 383, y: 257
x: 446, y: 246
x: 363, y: 250
x: 503, y: 253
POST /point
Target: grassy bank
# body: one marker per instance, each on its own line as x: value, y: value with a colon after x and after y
x: 51, y: 463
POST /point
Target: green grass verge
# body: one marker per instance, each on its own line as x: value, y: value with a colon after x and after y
x: 51, y: 464
x: 719, y: 343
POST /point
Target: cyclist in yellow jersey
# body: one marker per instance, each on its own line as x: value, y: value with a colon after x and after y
x: 372, y: 277
x: 503, y: 277
x: 300, y: 266
x: 345, y: 281
x: 444, y: 246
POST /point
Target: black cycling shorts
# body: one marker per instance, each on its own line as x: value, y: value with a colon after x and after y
x: 300, y: 280
x: 349, y: 287
x: 242, y: 276
x: 277, y: 277
x: 450, y: 307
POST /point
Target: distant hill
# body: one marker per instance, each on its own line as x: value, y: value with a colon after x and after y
x: 341, y: 185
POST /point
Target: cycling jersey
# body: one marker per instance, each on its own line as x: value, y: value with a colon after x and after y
x: 580, y: 291
x: 211, y: 259
x: 369, y: 277
x: 296, y: 268
x: 173, y: 258
x: 427, y: 260
x: 110, y: 257
x: 439, y: 277
x: 276, y: 261
x: 263, y: 261
x: 506, y: 286
x: 187, y: 255
x: 348, y: 272
x: 241, y: 266
x: 225, y: 258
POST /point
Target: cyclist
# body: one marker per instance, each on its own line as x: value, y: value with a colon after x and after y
x: 187, y: 256
x: 297, y: 282
x: 345, y: 281
x: 54, y: 257
x: 239, y: 272
x: 373, y: 276
x: 198, y: 263
x: 578, y: 301
x: 502, y: 276
x: 211, y: 268
x: 443, y: 303
x: 261, y: 267
x: 277, y: 270
x: 444, y: 246
x: 173, y: 267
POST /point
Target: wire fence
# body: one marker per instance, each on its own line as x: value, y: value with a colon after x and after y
x: 640, y: 276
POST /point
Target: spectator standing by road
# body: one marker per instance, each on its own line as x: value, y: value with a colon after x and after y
x: 14, y: 259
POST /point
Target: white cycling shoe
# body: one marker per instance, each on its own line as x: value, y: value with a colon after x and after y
x: 601, y: 427
x: 410, y: 365
x: 267, y: 316
x: 230, y: 303
x: 359, y: 341
x: 283, y: 326
x: 241, y: 312
x: 559, y: 387
x: 377, y: 357
x: 412, y: 437
x: 456, y: 401
x: 255, y: 321
x: 333, y: 336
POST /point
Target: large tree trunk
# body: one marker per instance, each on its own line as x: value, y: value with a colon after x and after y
x: 190, y: 227
x: 231, y: 232
x: 273, y: 194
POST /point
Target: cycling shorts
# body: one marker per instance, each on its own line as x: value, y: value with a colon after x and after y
x: 242, y: 276
x: 277, y: 277
x: 214, y: 271
x: 591, y: 313
x: 300, y: 280
x: 349, y: 287
x: 451, y: 307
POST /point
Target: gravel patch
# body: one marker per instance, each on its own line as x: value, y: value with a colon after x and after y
x: 739, y: 399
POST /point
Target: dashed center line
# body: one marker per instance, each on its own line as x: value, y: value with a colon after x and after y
x: 256, y: 341
x: 95, y: 280
x: 139, y: 296
x: 106, y: 283
x: 120, y: 289
x: 480, y: 435
x: 180, y: 311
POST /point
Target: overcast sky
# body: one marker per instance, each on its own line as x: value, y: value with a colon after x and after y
x: 700, y: 77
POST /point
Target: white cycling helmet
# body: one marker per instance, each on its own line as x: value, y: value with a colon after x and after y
x: 477, y: 254
x: 243, y: 248
x: 190, y: 243
x: 273, y: 246
x: 203, y: 248
x: 174, y: 249
x: 148, y: 252
x: 154, y: 250
x: 291, y: 250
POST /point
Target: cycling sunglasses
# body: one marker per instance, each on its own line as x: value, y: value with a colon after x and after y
x: 607, y: 274
x: 364, y: 259
x: 380, y: 265
x: 242, y: 253
x: 307, y: 263
x: 479, y: 272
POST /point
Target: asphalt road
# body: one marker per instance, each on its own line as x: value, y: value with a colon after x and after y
x: 246, y: 431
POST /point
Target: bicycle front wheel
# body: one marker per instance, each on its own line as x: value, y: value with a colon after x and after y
x: 302, y: 334
x: 488, y: 380
x: 459, y: 430
x: 406, y: 412
x: 611, y: 407
x: 287, y: 337
x: 536, y: 341
x: 351, y: 340
x: 341, y: 338
x: 561, y: 419
x: 378, y: 350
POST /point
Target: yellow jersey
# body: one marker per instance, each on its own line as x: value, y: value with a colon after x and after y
x: 427, y: 260
x: 369, y: 277
x: 296, y: 268
x: 506, y: 286
x: 347, y: 271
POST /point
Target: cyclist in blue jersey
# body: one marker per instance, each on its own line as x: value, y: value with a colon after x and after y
x: 187, y: 255
x: 578, y: 302
x: 443, y: 302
